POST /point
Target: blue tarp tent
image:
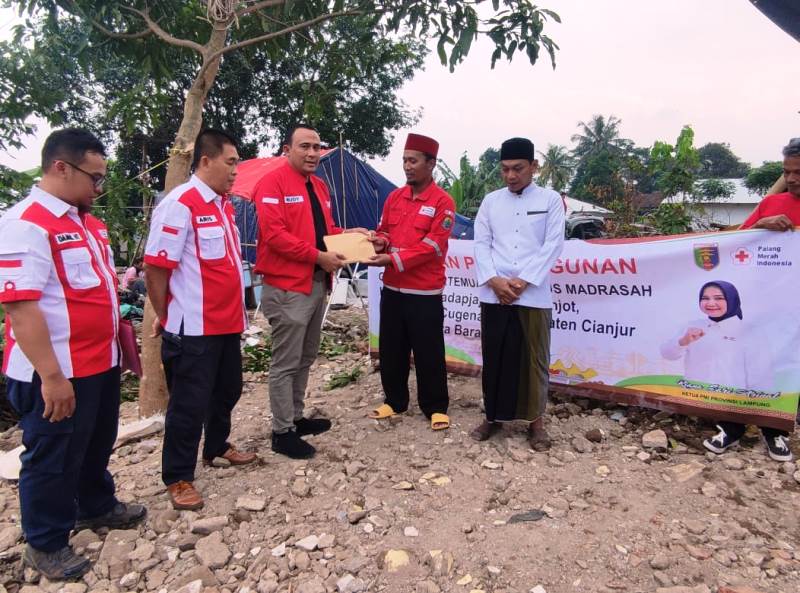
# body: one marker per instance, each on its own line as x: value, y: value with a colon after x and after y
x: 358, y: 193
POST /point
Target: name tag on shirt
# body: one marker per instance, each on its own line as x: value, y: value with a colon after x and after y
x: 62, y: 238
x: 270, y: 201
x: 532, y: 212
x: 206, y: 219
x: 428, y: 211
x: 293, y: 199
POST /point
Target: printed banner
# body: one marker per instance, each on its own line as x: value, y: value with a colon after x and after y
x: 705, y: 325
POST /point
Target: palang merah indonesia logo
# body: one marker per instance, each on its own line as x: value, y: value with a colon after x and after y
x: 742, y: 257
x: 706, y: 255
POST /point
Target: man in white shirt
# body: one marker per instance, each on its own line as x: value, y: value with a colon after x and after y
x: 519, y: 233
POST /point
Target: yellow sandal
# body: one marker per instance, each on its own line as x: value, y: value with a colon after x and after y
x: 439, y: 421
x: 382, y: 412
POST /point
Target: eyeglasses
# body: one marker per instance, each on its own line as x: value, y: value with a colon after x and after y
x: 97, y: 179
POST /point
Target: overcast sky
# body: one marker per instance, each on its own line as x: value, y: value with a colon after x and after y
x: 718, y: 65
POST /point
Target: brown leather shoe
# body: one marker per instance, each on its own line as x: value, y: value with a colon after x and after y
x: 184, y: 497
x: 235, y: 457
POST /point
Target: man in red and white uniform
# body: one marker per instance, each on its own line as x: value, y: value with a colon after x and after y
x: 58, y: 286
x: 294, y: 214
x: 415, y: 227
x: 195, y: 282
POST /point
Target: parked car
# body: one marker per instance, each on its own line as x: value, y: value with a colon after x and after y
x: 585, y: 226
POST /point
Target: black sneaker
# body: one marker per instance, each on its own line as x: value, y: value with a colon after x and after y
x: 63, y: 565
x: 291, y: 445
x: 306, y: 426
x: 122, y: 516
x: 720, y: 442
x: 778, y: 448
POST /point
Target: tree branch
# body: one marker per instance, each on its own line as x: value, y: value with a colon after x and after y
x: 162, y: 34
x: 114, y: 35
x: 304, y: 25
x: 258, y: 6
x: 108, y: 32
x: 282, y: 24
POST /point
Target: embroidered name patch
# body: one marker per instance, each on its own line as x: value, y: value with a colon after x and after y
x: 532, y: 212
x: 103, y: 233
x: 270, y: 201
x: 62, y: 238
x: 293, y: 199
x: 206, y: 219
x: 428, y: 211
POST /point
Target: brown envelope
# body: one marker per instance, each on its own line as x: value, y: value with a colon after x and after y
x: 354, y: 246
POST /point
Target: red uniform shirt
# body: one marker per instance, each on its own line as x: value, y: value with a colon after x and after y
x: 418, y: 229
x: 193, y: 233
x: 286, y: 251
x: 52, y: 254
x: 785, y: 203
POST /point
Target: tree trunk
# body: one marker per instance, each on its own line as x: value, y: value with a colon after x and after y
x: 152, y: 388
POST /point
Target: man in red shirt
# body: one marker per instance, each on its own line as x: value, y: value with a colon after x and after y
x: 781, y: 212
x: 413, y: 234
x: 294, y: 214
x: 58, y: 286
x: 777, y: 212
x: 195, y: 282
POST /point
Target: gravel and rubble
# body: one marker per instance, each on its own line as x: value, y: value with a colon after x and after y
x: 625, y: 501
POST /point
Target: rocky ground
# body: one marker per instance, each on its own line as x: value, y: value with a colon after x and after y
x: 626, y: 501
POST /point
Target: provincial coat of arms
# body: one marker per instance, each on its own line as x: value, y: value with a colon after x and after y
x: 706, y: 255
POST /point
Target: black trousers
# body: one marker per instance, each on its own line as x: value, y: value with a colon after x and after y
x: 204, y: 378
x: 413, y: 323
x: 736, y: 430
x: 64, y: 474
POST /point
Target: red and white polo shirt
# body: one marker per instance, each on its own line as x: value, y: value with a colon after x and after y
x: 193, y: 233
x: 51, y: 254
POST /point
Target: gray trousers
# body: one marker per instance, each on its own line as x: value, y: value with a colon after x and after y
x: 296, y: 321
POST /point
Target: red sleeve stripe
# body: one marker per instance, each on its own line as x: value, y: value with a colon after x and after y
x: 160, y: 261
x: 12, y: 295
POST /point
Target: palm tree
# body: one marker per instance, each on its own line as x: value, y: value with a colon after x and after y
x: 556, y: 167
x: 470, y: 184
x: 598, y: 135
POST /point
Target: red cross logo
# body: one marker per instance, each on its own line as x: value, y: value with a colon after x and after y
x: 741, y: 257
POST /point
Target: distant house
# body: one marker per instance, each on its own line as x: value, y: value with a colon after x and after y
x: 646, y: 203
x: 722, y: 212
